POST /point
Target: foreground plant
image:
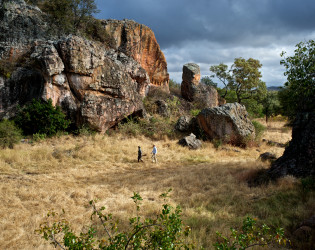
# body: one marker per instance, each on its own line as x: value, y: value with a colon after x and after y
x: 166, y: 231
x: 250, y: 236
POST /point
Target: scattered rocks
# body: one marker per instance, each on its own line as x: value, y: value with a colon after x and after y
x: 273, y: 143
x: 190, y: 141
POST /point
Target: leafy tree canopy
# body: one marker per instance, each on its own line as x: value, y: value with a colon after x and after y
x: 246, y: 79
x: 223, y: 74
x: 298, y: 95
x: 207, y: 80
x: 70, y: 16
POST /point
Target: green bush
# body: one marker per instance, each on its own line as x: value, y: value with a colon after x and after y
x: 9, y: 134
x: 155, y: 127
x: 195, y: 112
x: 165, y: 231
x: 41, y: 117
x: 249, y: 236
x: 259, y: 129
x: 39, y: 137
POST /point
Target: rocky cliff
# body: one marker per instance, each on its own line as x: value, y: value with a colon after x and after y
x: 92, y: 83
x: 138, y: 41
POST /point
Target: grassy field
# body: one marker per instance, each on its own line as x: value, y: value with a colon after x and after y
x: 210, y: 185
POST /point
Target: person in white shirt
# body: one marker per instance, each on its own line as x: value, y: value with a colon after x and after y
x: 154, y: 152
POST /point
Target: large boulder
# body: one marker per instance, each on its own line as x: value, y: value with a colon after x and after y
x: 190, y: 141
x: 229, y: 123
x: 139, y: 42
x: 298, y: 158
x: 193, y: 90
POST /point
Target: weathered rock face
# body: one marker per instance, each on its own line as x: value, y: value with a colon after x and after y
x: 298, y: 158
x: 92, y: 83
x: 139, y: 42
x: 191, y: 79
x: 20, y: 22
x: 183, y: 123
x: 192, y: 90
x: 162, y: 108
x: 228, y: 122
x: 95, y: 86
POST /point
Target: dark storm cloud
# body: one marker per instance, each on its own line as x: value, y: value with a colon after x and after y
x: 213, y: 31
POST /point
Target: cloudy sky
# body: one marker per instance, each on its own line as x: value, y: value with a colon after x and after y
x: 208, y: 32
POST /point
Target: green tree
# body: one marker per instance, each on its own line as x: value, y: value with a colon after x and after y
x: 70, y: 16
x: 246, y: 79
x: 41, y: 117
x: 223, y: 74
x: 207, y: 80
x: 299, y: 91
x: 271, y: 104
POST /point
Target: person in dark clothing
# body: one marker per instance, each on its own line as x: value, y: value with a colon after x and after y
x: 139, y: 154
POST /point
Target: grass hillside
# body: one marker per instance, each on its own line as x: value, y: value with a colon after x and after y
x: 210, y: 185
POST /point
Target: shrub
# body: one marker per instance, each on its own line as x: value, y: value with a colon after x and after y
x: 195, y: 112
x: 166, y: 231
x: 9, y: 134
x: 6, y: 68
x: 155, y: 127
x: 41, y: 117
x: 39, y: 137
x: 259, y: 129
x: 249, y: 236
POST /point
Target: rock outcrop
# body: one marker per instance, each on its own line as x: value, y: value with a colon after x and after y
x: 94, y: 84
x: 193, y: 90
x: 139, y: 42
x: 229, y: 123
x: 183, y: 124
x: 298, y: 158
x: 162, y: 108
x: 190, y: 141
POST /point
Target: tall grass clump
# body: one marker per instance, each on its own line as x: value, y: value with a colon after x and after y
x: 10, y: 134
x: 259, y: 129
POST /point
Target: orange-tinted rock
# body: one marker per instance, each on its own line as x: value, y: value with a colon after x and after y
x: 139, y: 42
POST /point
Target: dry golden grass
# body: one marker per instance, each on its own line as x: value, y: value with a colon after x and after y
x: 67, y: 172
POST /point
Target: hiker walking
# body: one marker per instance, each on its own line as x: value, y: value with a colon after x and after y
x: 139, y: 154
x: 154, y: 152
